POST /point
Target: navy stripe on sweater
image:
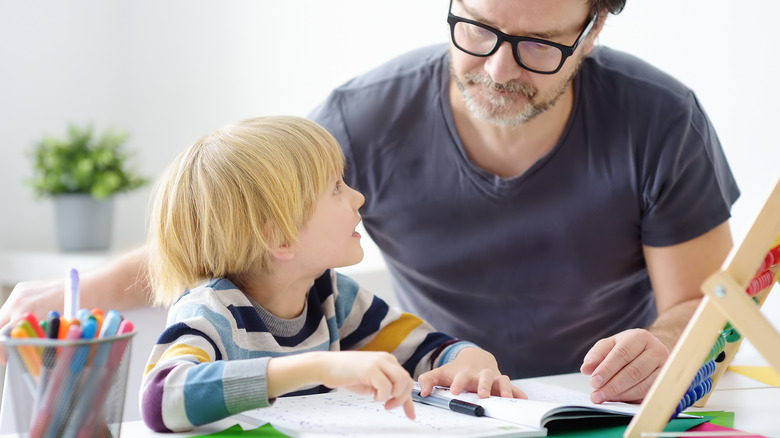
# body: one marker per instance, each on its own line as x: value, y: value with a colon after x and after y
x: 369, y: 325
x: 179, y: 329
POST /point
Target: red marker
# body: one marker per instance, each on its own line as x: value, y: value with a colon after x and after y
x: 29, y: 317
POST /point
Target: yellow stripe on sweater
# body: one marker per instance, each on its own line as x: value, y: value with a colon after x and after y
x: 393, y: 334
x: 177, y: 351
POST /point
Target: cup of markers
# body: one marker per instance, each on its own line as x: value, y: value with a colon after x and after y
x: 67, y: 375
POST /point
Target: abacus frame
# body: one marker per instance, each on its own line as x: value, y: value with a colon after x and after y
x: 724, y: 301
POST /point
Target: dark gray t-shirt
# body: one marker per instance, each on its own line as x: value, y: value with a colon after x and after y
x: 538, y: 267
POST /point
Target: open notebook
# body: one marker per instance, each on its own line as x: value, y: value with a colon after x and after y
x: 344, y: 414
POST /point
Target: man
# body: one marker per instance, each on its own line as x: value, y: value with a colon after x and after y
x: 557, y: 204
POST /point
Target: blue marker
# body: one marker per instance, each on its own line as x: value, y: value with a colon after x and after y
x: 86, y: 402
x: 82, y: 315
x: 68, y: 394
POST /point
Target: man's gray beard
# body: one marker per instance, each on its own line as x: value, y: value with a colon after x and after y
x: 530, y: 111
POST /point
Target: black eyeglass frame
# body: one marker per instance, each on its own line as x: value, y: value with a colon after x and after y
x: 566, y: 51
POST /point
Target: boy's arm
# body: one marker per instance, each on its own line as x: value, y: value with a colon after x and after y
x: 180, y: 392
x: 363, y: 372
x: 189, y: 381
x: 185, y: 385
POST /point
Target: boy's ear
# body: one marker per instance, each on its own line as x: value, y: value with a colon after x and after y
x: 282, y: 252
x: 279, y: 251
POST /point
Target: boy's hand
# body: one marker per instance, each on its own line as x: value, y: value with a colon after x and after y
x: 368, y: 372
x: 473, y: 370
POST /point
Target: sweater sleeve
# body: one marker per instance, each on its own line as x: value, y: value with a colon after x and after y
x: 366, y: 322
x: 186, y: 383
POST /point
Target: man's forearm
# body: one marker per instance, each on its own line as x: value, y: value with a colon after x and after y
x: 669, y: 325
x: 121, y: 284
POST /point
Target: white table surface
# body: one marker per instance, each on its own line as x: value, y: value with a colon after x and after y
x: 756, y: 407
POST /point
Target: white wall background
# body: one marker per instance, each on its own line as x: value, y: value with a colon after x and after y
x: 170, y: 71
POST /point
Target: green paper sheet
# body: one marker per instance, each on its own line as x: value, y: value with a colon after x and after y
x: 721, y: 418
x: 265, y: 430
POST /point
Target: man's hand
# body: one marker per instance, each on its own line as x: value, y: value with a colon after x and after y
x: 36, y: 297
x: 624, y: 366
x: 119, y: 285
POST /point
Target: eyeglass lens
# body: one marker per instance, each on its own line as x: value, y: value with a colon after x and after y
x: 481, y: 41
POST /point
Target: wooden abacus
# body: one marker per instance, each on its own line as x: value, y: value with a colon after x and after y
x: 725, y: 304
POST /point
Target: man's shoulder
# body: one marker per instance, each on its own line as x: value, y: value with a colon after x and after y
x: 386, y: 99
x: 420, y: 63
x: 623, y: 71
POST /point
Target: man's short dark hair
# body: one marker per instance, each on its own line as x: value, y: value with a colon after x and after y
x: 612, y: 6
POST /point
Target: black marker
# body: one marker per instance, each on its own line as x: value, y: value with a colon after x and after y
x: 454, y: 405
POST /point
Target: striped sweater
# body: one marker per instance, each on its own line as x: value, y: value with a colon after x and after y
x: 210, y: 362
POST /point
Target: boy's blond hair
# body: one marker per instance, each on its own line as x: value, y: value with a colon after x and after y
x: 232, y: 196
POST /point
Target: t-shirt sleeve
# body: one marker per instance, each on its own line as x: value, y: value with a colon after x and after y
x: 329, y: 115
x: 688, y: 187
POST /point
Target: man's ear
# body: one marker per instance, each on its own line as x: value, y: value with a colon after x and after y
x: 282, y: 252
x: 590, y: 41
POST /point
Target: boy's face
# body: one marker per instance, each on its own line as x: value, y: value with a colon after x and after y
x: 329, y: 239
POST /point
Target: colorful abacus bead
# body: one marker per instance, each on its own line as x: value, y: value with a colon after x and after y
x: 701, y: 385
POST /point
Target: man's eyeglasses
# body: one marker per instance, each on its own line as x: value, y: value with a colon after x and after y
x: 533, y: 54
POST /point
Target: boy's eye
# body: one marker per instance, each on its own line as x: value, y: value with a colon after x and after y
x: 337, y: 189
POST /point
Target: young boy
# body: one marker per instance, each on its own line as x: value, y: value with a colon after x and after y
x: 249, y: 220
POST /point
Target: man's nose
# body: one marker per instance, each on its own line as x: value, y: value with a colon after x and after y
x: 501, y: 65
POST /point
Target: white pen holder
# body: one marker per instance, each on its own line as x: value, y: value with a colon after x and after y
x: 66, y: 388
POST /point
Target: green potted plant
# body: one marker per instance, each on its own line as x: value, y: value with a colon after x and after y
x: 82, y: 172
